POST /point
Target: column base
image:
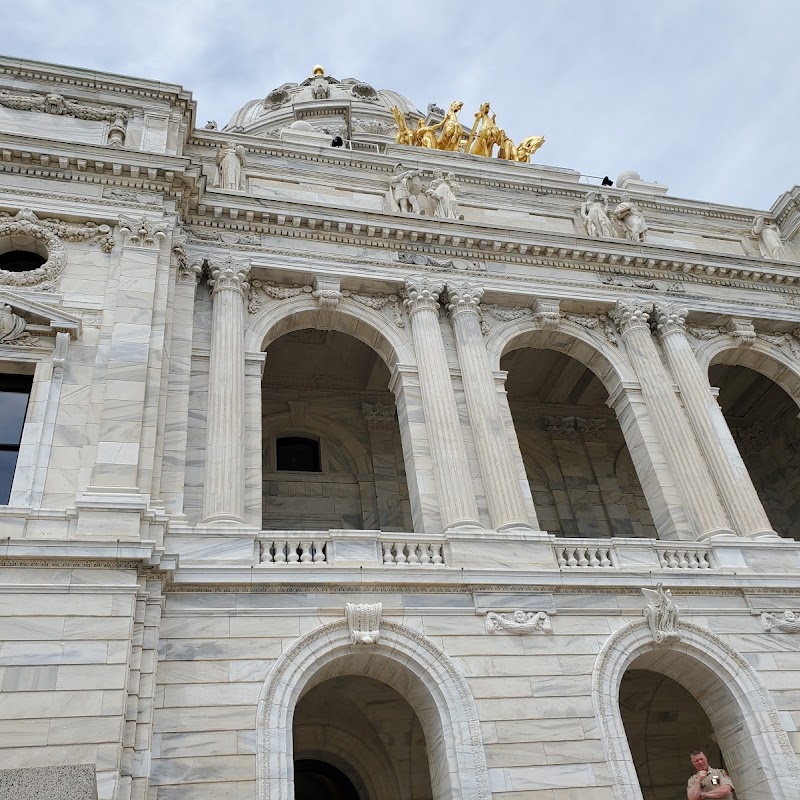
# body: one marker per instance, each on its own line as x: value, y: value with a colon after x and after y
x: 718, y: 533
x: 762, y: 535
x: 516, y: 526
x: 222, y: 518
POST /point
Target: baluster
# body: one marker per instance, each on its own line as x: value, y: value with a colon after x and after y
x: 399, y: 553
x: 294, y: 556
x: 438, y: 558
x: 662, y: 558
x: 305, y: 552
x: 694, y: 561
x: 672, y: 559
x: 388, y: 557
x: 683, y: 564
x: 703, y: 560
x: 594, y: 561
x: 605, y: 557
x: 319, y: 552
x: 562, y: 561
x: 572, y: 561
x: 583, y: 561
x: 280, y: 552
x: 425, y: 554
x: 413, y: 558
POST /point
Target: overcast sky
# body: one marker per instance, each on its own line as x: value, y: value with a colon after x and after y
x: 703, y: 95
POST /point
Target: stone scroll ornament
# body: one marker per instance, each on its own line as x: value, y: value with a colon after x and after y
x: 363, y: 622
x: 520, y: 622
x: 788, y: 622
x: 661, y: 614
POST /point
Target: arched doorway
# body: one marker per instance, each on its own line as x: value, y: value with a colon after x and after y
x: 576, y: 458
x: 663, y: 722
x: 763, y: 420
x: 318, y: 780
x: 332, y: 453
x: 366, y: 731
x: 417, y: 671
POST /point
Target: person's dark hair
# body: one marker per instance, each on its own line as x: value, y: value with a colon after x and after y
x: 696, y: 751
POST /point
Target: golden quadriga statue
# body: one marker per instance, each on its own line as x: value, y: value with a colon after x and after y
x: 481, y: 141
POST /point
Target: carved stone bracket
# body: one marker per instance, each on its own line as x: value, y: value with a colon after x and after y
x: 520, y: 623
x: 788, y: 622
x: 661, y: 614
x: 546, y: 313
x: 328, y: 294
x: 50, y: 234
x: 143, y: 232
x: 741, y: 331
x: 363, y: 622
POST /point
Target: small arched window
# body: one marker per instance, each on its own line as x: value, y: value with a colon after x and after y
x: 297, y: 454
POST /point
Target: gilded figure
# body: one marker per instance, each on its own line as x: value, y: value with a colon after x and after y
x: 450, y: 137
x: 404, y: 134
x: 424, y: 135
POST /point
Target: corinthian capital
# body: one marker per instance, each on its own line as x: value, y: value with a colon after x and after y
x: 229, y: 274
x: 463, y: 296
x: 669, y: 318
x: 422, y: 293
x: 630, y: 314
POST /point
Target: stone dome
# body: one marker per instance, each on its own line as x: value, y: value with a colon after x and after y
x: 349, y: 108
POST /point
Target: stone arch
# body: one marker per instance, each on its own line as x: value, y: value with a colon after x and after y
x: 762, y: 357
x: 745, y: 719
x: 364, y: 323
x: 594, y: 352
x: 403, y: 659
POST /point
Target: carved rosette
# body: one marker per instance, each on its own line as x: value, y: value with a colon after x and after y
x: 464, y: 298
x: 379, y: 417
x: 422, y: 294
x: 229, y: 274
x: 143, y: 232
x: 363, y: 622
x: 629, y: 315
x: 669, y: 318
x: 520, y: 623
x: 49, y: 234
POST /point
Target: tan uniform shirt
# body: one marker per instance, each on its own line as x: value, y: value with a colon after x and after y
x: 715, y: 777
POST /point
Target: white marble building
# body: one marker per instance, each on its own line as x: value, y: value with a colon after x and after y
x: 321, y: 479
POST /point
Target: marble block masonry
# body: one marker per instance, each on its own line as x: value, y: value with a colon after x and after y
x: 384, y: 469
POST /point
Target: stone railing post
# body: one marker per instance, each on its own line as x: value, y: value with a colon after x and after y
x: 705, y: 512
x: 503, y: 493
x: 727, y: 468
x: 223, y: 499
x: 448, y: 453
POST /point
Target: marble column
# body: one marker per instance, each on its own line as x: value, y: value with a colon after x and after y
x: 703, y: 507
x: 223, y: 499
x: 449, y: 455
x: 727, y: 468
x: 503, y: 495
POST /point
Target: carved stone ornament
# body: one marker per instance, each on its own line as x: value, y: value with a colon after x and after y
x: 520, y: 622
x: 189, y: 269
x: 379, y: 417
x: 377, y: 302
x: 594, y: 322
x: 661, y: 614
x: 669, y: 318
x: 459, y: 264
x: 143, y: 232
x: 49, y: 234
x: 327, y: 293
x: 463, y: 297
x: 546, y: 313
x: 741, y: 331
x: 261, y: 291
x: 12, y: 328
x: 788, y: 622
x: 363, y: 622
x: 630, y: 314
x: 422, y: 293
x: 631, y: 282
x: 228, y: 274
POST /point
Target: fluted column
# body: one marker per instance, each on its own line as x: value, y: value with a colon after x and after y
x: 503, y: 494
x: 727, y: 468
x: 703, y: 507
x: 448, y: 453
x: 223, y: 499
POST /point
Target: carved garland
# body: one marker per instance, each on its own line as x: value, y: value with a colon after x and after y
x: 51, y: 233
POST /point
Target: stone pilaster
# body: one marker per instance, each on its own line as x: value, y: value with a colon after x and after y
x: 699, y: 496
x: 503, y: 496
x: 727, y: 468
x: 223, y: 500
x: 448, y: 453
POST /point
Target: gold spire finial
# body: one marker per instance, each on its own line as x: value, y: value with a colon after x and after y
x: 318, y: 70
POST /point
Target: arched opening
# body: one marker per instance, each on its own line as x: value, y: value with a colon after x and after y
x: 332, y: 452
x: 365, y: 731
x: 763, y: 420
x: 318, y: 780
x: 663, y: 722
x: 21, y: 260
x: 579, y: 469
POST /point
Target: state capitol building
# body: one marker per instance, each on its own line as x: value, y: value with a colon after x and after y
x: 348, y: 452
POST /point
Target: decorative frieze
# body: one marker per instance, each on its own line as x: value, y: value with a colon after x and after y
x: 520, y: 623
x: 594, y: 322
x: 788, y: 622
x: 661, y: 614
x: 458, y: 264
x: 591, y: 428
x: 632, y: 282
x: 363, y: 622
x: 378, y: 302
x: 260, y: 291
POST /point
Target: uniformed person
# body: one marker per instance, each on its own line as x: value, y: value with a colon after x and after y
x: 708, y: 783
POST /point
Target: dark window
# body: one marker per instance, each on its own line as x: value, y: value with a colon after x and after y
x: 20, y: 261
x: 14, y: 393
x: 298, y: 454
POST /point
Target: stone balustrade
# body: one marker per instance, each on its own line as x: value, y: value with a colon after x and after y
x: 293, y: 551
x: 584, y: 553
x: 414, y: 553
x: 684, y: 558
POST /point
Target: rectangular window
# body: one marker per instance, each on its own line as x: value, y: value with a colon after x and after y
x: 15, y: 390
